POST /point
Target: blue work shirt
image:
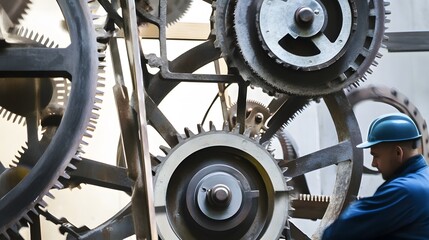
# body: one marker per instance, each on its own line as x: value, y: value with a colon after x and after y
x: 399, y: 209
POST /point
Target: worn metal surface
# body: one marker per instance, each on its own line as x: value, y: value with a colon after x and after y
x: 79, y: 63
x: 142, y: 198
x: 407, y: 41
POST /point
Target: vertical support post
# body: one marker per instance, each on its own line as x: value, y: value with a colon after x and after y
x: 142, y: 198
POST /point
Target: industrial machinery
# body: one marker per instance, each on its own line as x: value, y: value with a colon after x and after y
x: 224, y: 180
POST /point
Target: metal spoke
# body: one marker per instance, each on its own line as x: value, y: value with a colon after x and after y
x: 317, y: 160
x: 100, y: 174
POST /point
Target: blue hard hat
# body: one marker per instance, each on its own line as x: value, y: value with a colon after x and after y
x: 393, y: 127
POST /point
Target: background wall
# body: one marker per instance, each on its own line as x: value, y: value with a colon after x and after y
x: 186, y: 106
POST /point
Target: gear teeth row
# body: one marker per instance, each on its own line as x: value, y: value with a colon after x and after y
x: 314, y: 198
x: 385, y: 38
x: 34, y: 36
x: 10, y: 116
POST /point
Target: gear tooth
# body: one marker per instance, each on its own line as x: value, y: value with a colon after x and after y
x: 98, y: 100
x: 161, y: 159
x: 21, y: 120
x: 43, y: 203
x: 65, y: 175
x: 225, y: 126
x: 188, y: 132
x: 58, y: 185
x: 71, y: 166
x: 87, y: 135
x: 48, y: 194
x: 15, y: 118
x: 236, y: 128
x: 200, y: 128
x: 95, y: 116
x: 166, y: 150
x: 247, y: 133
x: 100, y: 85
x: 99, y: 93
x: 212, y: 126
x: 9, y: 116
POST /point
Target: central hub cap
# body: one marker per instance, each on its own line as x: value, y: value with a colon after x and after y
x: 304, y: 16
x: 219, y: 196
x: 218, y: 191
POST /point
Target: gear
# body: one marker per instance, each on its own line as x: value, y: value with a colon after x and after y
x: 321, y: 48
x: 397, y: 100
x: 256, y: 116
x: 230, y: 187
x: 78, y: 62
x: 175, y: 9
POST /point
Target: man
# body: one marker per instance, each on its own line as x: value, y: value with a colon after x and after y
x: 399, y: 209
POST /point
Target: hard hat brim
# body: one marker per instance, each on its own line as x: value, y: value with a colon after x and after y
x: 367, y: 144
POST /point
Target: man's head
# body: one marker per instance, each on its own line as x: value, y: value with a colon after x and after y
x: 388, y: 157
x: 393, y: 138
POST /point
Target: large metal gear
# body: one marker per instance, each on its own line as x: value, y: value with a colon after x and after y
x: 78, y: 63
x: 220, y: 184
x: 306, y: 48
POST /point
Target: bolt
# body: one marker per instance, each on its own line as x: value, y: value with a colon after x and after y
x: 219, y: 195
x: 304, y: 15
x: 259, y: 118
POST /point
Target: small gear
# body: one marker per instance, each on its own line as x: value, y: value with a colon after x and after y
x: 175, y: 9
x: 256, y: 116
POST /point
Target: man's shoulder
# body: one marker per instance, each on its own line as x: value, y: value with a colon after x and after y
x: 411, y: 184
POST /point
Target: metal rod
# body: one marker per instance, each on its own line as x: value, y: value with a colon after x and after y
x: 142, y: 198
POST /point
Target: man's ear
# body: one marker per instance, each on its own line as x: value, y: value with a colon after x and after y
x: 399, y: 152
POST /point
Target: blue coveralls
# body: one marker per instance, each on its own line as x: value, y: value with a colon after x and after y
x: 399, y: 209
